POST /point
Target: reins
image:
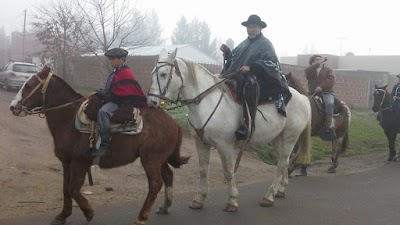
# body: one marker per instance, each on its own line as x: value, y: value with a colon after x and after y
x: 45, y: 84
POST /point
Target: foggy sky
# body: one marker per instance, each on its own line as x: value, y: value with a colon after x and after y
x: 327, y: 27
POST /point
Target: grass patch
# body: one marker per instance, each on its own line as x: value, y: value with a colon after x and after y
x: 365, y: 135
x: 83, y: 90
x: 180, y: 115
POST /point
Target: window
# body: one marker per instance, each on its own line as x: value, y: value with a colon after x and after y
x: 22, y: 68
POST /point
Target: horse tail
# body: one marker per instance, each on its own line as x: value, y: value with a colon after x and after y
x: 176, y: 160
x: 345, y: 142
x: 304, y: 145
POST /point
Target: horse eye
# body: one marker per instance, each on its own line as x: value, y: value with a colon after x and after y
x: 163, y: 75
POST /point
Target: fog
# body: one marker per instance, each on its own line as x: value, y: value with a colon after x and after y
x: 294, y: 27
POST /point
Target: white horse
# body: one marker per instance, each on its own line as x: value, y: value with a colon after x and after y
x: 214, y: 116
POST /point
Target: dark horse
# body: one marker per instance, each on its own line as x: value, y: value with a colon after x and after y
x: 389, y: 119
x: 341, y: 122
x: 157, y: 145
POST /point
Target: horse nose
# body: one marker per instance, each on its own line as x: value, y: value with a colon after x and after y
x: 12, y: 108
x: 153, y: 103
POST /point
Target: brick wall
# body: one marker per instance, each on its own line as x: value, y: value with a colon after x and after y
x: 90, y: 72
x: 355, y: 87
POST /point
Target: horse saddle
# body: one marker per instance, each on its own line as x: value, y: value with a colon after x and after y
x: 319, y: 102
x: 125, y: 120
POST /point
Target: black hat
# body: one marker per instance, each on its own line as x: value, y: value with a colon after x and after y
x: 254, y: 19
x: 116, y: 53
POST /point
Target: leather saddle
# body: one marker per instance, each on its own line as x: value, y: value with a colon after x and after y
x: 126, y: 119
x: 319, y: 102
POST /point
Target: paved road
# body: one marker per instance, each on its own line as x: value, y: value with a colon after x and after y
x: 368, y: 198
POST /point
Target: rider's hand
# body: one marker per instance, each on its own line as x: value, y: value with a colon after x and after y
x: 245, y: 69
x: 225, y: 49
x: 104, y: 95
x: 318, y: 89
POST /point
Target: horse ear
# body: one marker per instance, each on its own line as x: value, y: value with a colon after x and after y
x: 172, y: 55
x: 163, y: 54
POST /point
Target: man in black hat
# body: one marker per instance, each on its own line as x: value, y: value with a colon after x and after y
x: 121, y: 88
x: 257, y: 62
x: 396, y: 95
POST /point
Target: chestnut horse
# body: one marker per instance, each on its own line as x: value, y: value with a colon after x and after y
x: 157, y: 145
x: 341, y: 123
x: 389, y: 119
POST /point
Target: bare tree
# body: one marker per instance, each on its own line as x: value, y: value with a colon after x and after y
x: 54, y: 24
x: 108, y: 23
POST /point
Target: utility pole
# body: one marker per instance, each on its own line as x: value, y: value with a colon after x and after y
x: 23, y: 38
x: 341, y: 43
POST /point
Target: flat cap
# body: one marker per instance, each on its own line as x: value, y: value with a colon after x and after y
x: 116, y: 53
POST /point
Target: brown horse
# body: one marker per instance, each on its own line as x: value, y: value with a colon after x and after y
x: 389, y: 119
x: 157, y: 145
x: 341, y: 122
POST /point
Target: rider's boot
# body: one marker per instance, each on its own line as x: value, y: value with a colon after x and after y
x: 328, y: 133
x: 243, y: 132
x: 105, y: 146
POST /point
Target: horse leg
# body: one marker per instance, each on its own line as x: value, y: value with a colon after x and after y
x: 283, y: 147
x: 78, y: 173
x: 391, y: 136
x: 225, y: 153
x: 336, y: 143
x: 67, y: 207
x: 153, y: 172
x: 203, y: 151
x: 168, y: 178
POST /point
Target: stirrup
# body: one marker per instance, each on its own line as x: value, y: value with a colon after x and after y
x: 242, y: 133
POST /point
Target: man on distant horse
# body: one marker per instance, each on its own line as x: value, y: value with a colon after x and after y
x: 396, y: 95
x: 320, y: 81
x: 257, y: 62
x: 121, y: 88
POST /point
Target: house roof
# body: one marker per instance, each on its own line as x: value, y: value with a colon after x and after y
x: 186, y: 51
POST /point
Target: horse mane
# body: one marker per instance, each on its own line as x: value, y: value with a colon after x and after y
x: 63, y: 83
x: 191, y: 65
x: 295, y: 83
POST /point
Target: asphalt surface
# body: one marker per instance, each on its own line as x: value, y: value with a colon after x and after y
x: 368, y: 198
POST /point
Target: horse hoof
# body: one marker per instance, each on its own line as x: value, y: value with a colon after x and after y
x: 196, y: 205
x: 89, y: 216
x: 230, y: 208
x: 58, y: 221
x: 162, y: 211
x: 266, y: 203
x: 331, y: 170
x: 140, y: 222
x: 280, y: 194
x: 391, y: 158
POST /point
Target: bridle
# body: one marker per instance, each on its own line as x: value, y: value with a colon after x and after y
x: 383, y: 100
x: 163, y: 91
x: 44, y: 83
x: 184, y: 102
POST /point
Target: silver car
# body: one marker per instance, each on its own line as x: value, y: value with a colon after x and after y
x: 14, y: 74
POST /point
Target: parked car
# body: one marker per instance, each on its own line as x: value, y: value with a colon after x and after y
x: 14, y: 74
